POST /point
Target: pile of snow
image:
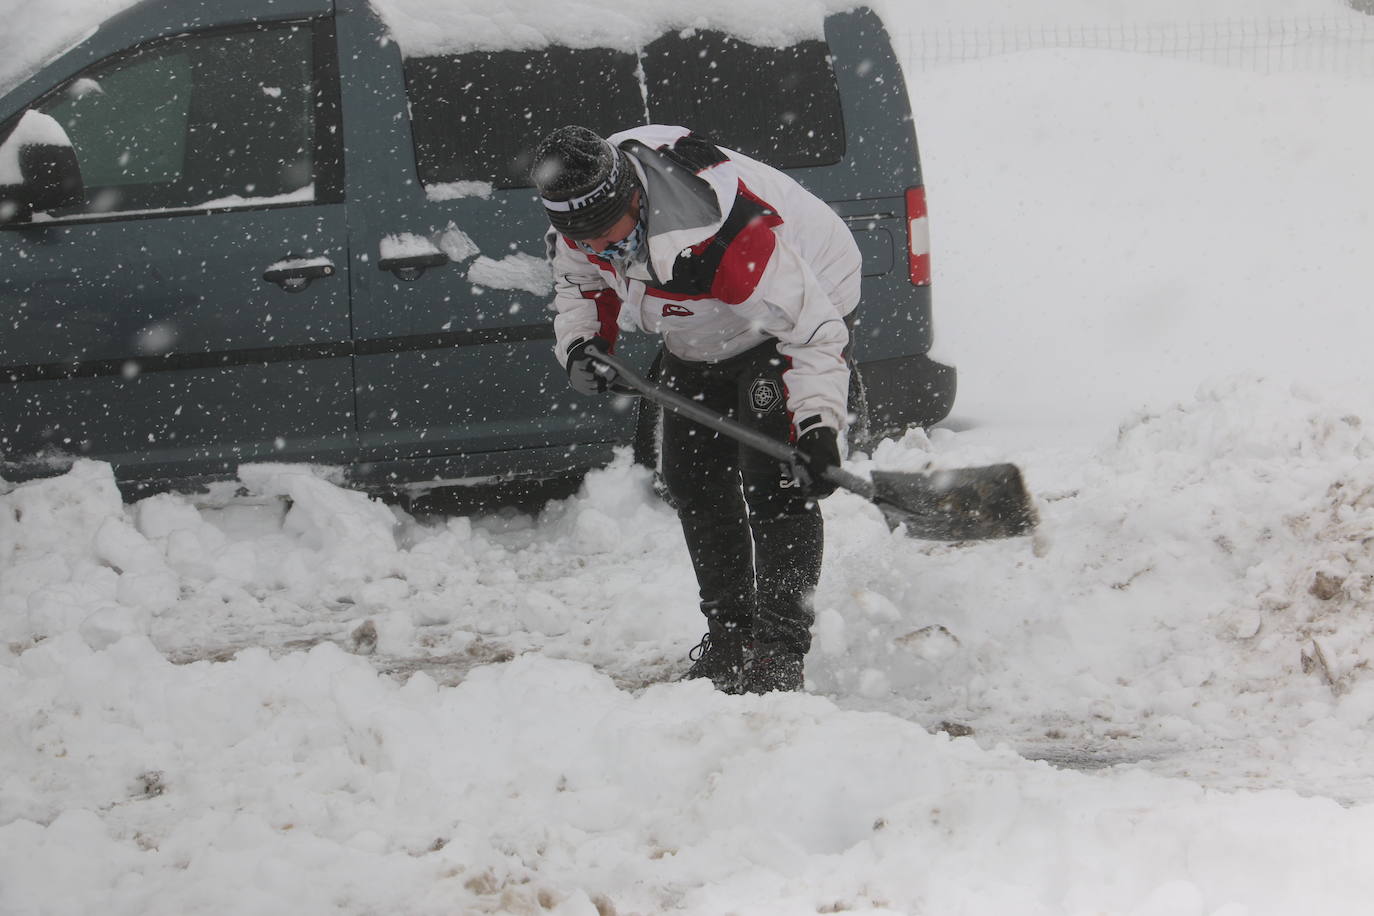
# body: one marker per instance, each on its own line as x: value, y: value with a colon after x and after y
x: 402, y: 770
x: 1196, y: 595
x: 1183, y: 570
x: 301, y: 560
x: 310, y: 784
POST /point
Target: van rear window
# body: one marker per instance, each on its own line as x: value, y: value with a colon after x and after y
x: 779, y: 105
x: 477, y: 116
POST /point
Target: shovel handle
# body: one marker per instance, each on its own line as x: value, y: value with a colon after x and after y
x: 952, y: 505
x: 671, y: 400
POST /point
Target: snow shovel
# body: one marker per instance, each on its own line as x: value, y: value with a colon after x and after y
x: 960, y: 504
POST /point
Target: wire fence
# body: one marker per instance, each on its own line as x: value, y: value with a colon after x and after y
x: 1338, y: 44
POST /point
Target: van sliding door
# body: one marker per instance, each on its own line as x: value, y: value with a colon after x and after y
x: 454, y: 336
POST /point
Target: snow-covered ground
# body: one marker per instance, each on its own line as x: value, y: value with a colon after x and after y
x: 1154, y: 278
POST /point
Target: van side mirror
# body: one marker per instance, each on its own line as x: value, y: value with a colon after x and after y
x: 38, y: 169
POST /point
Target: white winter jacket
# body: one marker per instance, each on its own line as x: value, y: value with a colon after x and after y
x: 738, y: 254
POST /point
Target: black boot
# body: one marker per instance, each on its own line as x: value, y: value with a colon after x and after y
x: 774, y: 669
x: 720, y: 657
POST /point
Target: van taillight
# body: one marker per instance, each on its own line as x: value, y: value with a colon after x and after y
x: 917, y: 236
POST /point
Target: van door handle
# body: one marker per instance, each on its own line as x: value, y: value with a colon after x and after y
x: 296, y: 274
x: 412, y: 267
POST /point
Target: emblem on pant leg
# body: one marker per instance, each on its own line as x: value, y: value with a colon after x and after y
x: 765, y: 394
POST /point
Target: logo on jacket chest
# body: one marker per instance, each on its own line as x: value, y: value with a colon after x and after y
x: 676, y: 310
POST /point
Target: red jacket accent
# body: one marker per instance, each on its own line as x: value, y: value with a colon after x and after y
x: 607, y: 313
x: 744, y: 261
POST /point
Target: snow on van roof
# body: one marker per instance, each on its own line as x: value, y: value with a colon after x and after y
x: 39, y: 30
x: 424, y: 28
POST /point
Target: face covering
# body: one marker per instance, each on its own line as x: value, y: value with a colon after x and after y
x: 624, y: 252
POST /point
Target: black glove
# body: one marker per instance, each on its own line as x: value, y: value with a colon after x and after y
x: 581, y: 374
x: 820, y: 448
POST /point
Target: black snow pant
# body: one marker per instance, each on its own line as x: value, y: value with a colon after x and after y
x: 754, y: 538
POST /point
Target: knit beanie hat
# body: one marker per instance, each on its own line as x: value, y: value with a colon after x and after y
x: 584, y: 183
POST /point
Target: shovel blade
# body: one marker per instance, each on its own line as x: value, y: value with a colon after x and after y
x: 961, y: 504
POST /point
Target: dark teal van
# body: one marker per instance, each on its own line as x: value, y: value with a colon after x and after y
x: 259, y: 230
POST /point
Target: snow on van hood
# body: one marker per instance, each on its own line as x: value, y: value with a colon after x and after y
x: 423, y: 27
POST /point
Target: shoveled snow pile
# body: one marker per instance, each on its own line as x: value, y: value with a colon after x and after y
x: 1200, y: 595
x: 299, y: 560
x: 311, y: 784
x: 452, y: 714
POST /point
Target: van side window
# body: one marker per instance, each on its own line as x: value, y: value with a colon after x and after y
x: 477, y: 116
x: 779, y: 105
x: 224, y: 119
